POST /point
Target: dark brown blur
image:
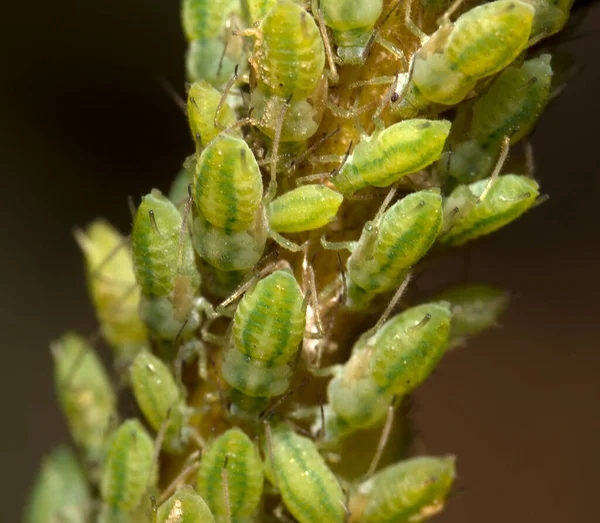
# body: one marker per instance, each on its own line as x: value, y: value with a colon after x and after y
x: 85, y: 122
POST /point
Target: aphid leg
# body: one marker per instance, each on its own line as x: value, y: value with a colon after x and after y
x: 411, y: 26
x: 209, y: 336
x: 158, y: 442
x: 385, y: 435
x: 132, y: 207
x: 182, y: 230
x: 173, y: 94
x: 387, y: 98
x: 376, y: 30
x: 315, y: 327
x: 225, y: 479
x: 284, y: 242
x: 390, y: 307
x: 529, y: 159
x: 154, y: 508
x: 333, y: 74
x: 337, y: 246
x: 223, y: 99
x: 181, y: 478
x: 322, y: 177
x: 384, y: 205
x: 301, y: 157
x: 268, y: 413
x: 445, y: 18
x: 272, y: 189
x: 498, y: 168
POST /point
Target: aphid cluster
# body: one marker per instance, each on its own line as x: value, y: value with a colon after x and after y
x: 264, y: 314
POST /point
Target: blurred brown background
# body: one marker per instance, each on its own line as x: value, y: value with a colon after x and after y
x: 84, y: 122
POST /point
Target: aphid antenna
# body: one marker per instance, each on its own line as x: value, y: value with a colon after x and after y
x: 221, y: 58
x: 301, y: 157
x: 332, y: 73
x: 236, y: 125
x: 132, y: 207
x: 529, y: 158
x: 387, y: 98
x: 390, y: 307
x: 445, y: 18
x: 272, y: 189
x: 223, y: 99
x: 182, y: 229
x: 173, y: 94
x: 499, y: 164
x: 320, y: 434
x: 376, y: 30
x: 543, y: 198
x: 385, y: 204
x: 267, y: 414
x: 225, y: 479
x: 158, y: 442
x: 324, y: 177
x: 181, y: 478
x: 411, y: 26
x: 346, y: 114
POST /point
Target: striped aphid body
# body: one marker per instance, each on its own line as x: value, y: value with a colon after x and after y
x: 467, y: 216
x: 185, y: 506
x: 268, y: 327
x: 233, y: 458
x: 411, y: 490
x: 308, y: 488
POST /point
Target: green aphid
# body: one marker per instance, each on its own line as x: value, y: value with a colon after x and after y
x: 475, y: 307
x: 306, y: 208
x: 185, y: 506
x: 179, y: 190
x: 392, y: 362
x: 309, y: 490
x: 352, y: 22
x: 60, y: 493
x: 411, y: 490
x: 470, y: 213
x: 165, y: 268
x: 112, y: 287
x: 256, y: 10
x: 85, y: 394
x: 213, y: 52
x: 129, y: 471
x: 160, y: 399
x: 387, y: 155
x: 489, y: 37
x: 202, y: 105
x: 550, y: 16
x: 268, y: 327
x: 389, y: 247
x: 233, y: 457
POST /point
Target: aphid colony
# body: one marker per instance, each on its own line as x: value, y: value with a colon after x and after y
x: 370, y: 133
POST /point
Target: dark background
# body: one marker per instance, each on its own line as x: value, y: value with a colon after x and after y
x: 84, y: 122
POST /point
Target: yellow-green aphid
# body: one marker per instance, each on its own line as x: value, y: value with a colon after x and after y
x: 352, y: 22
x: 467, y: 216
x: 268, y: 327
x: 234, y: 457
x: 308, y: 488
x: 203, y: 102
x: 159, y: 399
x: 475, y: 307
x: 85, y: 394
x: 288, y: 59
x: 388, y: 248
x: 303, y: 209
x: 213, y: 53
x: 256, y: 10
x: 60, y: 493
x: 231, y: 228
x: 112, y: 287
x: 129, y: 471
x: 550, y: 16
x: 411, y: 490
x: 387, y: 155
x: 489, y: 37
x: 185, y: 506
x: 165, y: 268
x: 392, y: 362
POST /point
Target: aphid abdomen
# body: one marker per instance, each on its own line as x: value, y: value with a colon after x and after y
x: 228, y: 184
x: 303, y: 209
x: 308, y: 488
x: 235, y: 452
x: 204, y: 19
x: 129, y: 469
x: 508, y: 198
x: 185, y: 506
x: 550, y: 16
x: 412, y: 490
x: 489, y: 37
x: 256, y: 10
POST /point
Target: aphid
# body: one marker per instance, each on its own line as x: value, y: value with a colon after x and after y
x: 256, y: 10
x: 179, y: 190
x: 475, y: 307
x: 268, y: 327
x: 550, y: 16
x: 213, y: 51
x: 112, y: 287
x: 185, y: 506
x: 129, y: 471
x: 161, y: 400
x: 485, y: 206
x: 308, y: 488
x: 391, y: 362
x: 411, y: 490
x: 166, y: 270
x: 387, y: 155
x: 352, y: 23
x: 60, y: 493
x: 85, y: 394
x: 230, y: 477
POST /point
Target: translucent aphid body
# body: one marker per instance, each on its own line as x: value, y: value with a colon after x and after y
x: 129, y: 470
x: 306, y: 208
x: 234, y: 453
x: 61, y: 493
x: 387, y: 249
x: 411, y: 490
x: 268, y: 327
x: 112, y: 287
x: 386, y: 156
x: 165, y: 268
x: 185, y: 506
x: 475, y: 307
x: 352, y: 23
x: 85, y: 394
x: 308, y: 488
x: 550, y: 16
x: 466, y: 217
x: 159, y: 399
